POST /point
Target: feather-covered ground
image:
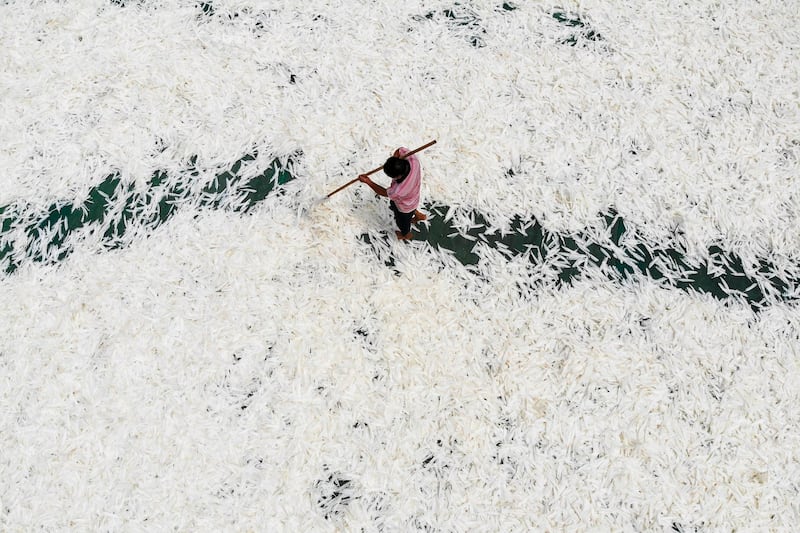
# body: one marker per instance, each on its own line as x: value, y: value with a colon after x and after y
x: 242, y: 366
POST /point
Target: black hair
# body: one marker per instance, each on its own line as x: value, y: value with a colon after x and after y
x: 397, y: 168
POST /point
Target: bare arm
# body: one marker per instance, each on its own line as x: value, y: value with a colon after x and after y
x: 380, y: 191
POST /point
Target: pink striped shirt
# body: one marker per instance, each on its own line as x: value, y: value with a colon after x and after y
x: 405, y: 195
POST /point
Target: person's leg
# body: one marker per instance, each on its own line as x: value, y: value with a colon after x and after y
x: 403, y: 221
x: 418, y: 216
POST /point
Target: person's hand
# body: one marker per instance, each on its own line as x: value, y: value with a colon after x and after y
x: 396, y: 153
x: 363, y: 178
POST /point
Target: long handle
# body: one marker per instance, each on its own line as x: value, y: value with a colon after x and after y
x: 374, y: 170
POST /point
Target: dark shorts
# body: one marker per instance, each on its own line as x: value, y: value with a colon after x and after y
x: 403, y: 220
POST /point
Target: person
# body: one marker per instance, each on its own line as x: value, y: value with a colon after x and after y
x: 403, y: 193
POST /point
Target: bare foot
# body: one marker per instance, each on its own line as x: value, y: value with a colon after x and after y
x: 407, y: 237
x: 418, y: 216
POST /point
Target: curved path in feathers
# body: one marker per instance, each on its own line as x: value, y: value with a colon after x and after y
x: 28, y: 235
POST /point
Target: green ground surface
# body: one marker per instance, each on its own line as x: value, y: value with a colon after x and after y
x: 45, y: 234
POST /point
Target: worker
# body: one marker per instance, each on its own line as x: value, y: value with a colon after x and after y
x: 403, y: 193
